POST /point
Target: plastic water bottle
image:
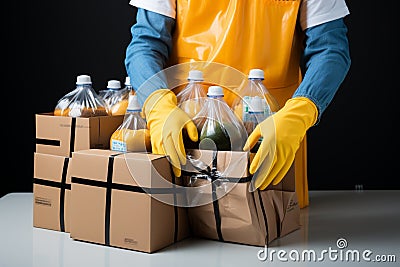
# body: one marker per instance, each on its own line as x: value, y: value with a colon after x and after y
x: 82, y: 101
x: 132, y: 135
x: 116, y: 98
x: 191, y: 98
x: 128, y: 86
x: 255, y: 114
x: 219, y: 128
x: 254, y: 87
x: 113, y: 86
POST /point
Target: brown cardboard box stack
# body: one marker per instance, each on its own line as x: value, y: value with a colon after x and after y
x: 83, y: 188
x: 124, y: 199
x: 56, y: 138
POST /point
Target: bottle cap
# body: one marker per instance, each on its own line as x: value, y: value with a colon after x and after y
x: 256, y: 104
x: 113, y: 84
x: 215, y: 90
x: 256, y: 74
x: 133, y: 103
x: 195, y: 75
x: 83, y: 79
x: 127, y: 80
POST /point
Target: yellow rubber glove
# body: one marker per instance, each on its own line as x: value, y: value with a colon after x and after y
x: 282, y: 134
x: 166, y: 121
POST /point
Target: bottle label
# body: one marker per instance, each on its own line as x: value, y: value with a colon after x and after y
x: 118, y: 145
x: 246, y: 109
x: 245, y: 102
x: 267, y: 110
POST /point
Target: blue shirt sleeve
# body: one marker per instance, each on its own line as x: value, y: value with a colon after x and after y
x: 325, y: 63
x: 148, y: 52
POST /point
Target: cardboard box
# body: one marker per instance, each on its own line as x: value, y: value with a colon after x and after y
x: 120, y: 200
x: 58, y: 135
x: 229, y: 209
x: 51, y: 192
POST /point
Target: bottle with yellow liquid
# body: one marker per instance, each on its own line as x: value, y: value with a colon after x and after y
x: 132, y: 135
x: 191, y: 99
x: 116, y: 98
x: 83, y: 101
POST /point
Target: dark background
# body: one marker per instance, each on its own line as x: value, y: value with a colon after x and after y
x: 46, y: 44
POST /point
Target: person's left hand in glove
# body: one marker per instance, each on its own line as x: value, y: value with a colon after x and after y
x: 166, y: 122
x: 282, y: 134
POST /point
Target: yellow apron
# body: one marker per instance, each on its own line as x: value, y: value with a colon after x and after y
x: 246, y: 34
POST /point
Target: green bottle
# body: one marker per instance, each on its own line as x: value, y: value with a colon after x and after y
x: 218, y: 126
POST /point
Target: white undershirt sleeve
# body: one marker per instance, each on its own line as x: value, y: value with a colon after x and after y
x: 315, y: 12
x: 163, y: 7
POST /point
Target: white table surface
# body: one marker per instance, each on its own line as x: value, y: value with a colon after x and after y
x: 367, y: 220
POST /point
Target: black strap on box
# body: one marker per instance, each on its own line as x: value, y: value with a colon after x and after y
x: 214, y: 175
x: 72, y: 137
x: 109, y: 185
x: 50, y: 142
x: 175, y: 206
x: 63, y: 186
x: 264, y: 215
x: 211, y: 173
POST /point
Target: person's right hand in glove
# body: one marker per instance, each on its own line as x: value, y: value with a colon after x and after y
x: 166, y: 121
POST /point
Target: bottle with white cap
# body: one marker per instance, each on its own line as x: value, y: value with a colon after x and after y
x: 83, y: 101
x: 132, y: 135
x: 113, y: 86
x: 116, y: 98
x: 254, y: 87
x: 218, y: 126
x: 191, y: 98
x: 128, y: 85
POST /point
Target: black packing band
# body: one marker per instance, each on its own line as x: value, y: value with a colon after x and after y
x: 225, y: 179
x: 124, y: 187
x: 51, y: 183
x: 48, y: 142
x: 108, y: 198
x: 217, y: 215
x: 63, y: 186
x: 62, y: 194
x: 72, y: 137
x: 264, y: 215
x: 175, y: 212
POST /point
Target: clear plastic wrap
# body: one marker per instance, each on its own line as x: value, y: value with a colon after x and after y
x: 116, y: 98
x: 132, y: 135
x: 244, y: 105
x: 102, y: 93
x: 192, y: 97
x: 219, y: 128
x: 207, y: 171
x: 83, y: 101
